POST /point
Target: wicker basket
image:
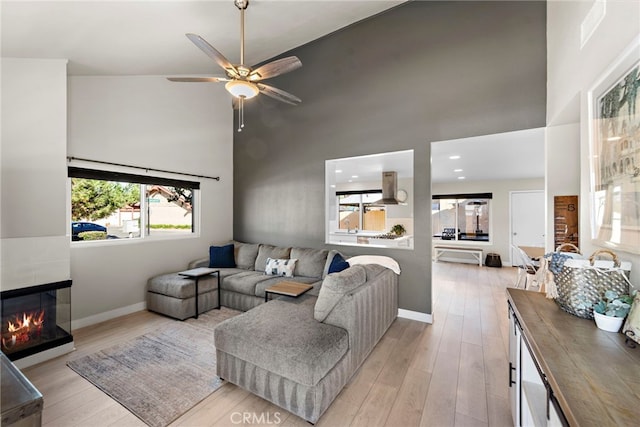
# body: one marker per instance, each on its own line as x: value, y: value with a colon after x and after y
x: 581, y: 283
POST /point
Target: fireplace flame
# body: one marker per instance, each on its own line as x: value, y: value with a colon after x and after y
x: 23, y: 329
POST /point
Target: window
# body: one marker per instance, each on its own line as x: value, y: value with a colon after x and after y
x: 461, y: 217
x: 109, y: 205
x: 358, y: 211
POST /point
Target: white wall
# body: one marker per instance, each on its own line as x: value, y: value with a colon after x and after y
x: 150, y: 122
x: 500, y: 219
x: 571, y: 71
x: 562, y: 171
x: 35, y: 247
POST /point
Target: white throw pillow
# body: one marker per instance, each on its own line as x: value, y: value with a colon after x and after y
x: 280, y: 267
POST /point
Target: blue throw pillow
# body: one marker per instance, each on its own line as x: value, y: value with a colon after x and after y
x: 338, y: 264
x: 221, y: 256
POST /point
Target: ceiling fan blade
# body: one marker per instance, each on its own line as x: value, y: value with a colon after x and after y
x: 198, y: 79
x: 278, y: 94
x: 204, y: 46
x: 275, y: 68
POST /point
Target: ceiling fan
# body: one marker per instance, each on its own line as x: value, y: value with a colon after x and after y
x: 243, y: 81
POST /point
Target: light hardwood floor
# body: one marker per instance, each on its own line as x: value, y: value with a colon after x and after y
x: 450, y: 373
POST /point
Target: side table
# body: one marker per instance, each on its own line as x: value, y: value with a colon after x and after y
x: 290, y: 289
x: 196, y: 274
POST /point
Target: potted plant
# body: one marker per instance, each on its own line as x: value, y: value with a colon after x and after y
x: 610, y: 311
x: 398, y: 229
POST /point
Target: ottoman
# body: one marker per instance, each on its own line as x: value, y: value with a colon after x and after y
x: 174, y: 295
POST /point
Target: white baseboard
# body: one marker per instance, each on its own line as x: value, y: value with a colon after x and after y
x: 45, y: 355
x: 107, y: 315
x: 415, y: 315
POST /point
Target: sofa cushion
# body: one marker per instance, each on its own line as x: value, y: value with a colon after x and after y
x: 280, y: 267
x: 283, y: 337
x: 268, y: 251
x: 338, y: 264
x: 335, y: 286
x: 245, y: 254
x: 221, y: 256
x: 226, y: 272
x: 244, y: 282
x: 181, y: 287
x: 310, y: 261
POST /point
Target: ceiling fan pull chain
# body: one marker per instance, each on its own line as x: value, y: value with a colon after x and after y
x: 242, y: 103
x: 240, y: 115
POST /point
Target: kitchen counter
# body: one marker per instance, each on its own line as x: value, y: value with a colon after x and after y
x: 368, y: 238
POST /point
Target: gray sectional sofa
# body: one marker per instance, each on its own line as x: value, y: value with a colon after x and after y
x: 297, y: 353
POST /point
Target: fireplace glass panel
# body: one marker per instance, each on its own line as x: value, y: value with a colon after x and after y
x: 35, y: 319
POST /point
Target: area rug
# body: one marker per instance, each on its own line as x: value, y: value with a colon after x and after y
x: 160, y: 375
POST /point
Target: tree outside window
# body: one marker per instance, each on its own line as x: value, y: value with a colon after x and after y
x: 127, y: 209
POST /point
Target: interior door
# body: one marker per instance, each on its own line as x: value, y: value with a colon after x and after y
x: 527, y: 218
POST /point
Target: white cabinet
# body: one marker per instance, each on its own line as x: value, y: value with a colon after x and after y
x: 514, y: 367
x: 556, y: 419
x: 533, y: 392
x: 531, y: 398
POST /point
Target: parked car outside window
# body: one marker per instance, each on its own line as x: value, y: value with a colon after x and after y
x: 78, y: 227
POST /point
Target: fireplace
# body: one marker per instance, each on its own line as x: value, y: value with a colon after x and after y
x: 35, y: 319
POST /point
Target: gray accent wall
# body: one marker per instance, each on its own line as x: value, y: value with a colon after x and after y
x: 421, y: 72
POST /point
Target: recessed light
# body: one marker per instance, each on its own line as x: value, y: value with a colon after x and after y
x: 461, y: 177
x: 614, y: 138
x: 333, y: 186
x: 456, y: 157
x: 354, y: 176
x: 350, y: 180
x: 338, y: 170
x: 457, y: 170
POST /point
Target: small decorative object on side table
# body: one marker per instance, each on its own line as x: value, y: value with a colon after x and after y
x: 196, y: 274
x: 290, y: 289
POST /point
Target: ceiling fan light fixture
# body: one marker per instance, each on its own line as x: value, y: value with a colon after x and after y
x: 242, y: 89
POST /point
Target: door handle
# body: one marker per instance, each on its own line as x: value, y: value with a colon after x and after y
x: 511, y: 369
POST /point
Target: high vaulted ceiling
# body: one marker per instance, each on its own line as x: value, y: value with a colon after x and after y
x: 148, y: 37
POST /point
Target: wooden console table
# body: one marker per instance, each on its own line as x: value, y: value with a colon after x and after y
x: 592, y: 374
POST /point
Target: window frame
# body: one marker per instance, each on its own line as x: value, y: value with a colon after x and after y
x: 459, y: 198
x: 143, y: 181
x: 361, y: 207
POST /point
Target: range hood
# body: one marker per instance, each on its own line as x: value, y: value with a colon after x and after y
x: 389, y: 189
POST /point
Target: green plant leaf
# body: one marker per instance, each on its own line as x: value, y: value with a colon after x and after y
x: 600, y: 307
x: 610, y: 295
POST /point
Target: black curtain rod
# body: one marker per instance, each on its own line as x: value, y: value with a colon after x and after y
x: 217, y: 178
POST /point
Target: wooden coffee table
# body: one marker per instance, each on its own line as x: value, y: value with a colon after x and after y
x: 290, y: 289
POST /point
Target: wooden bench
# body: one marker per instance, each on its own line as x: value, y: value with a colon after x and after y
x: 439, y: 250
